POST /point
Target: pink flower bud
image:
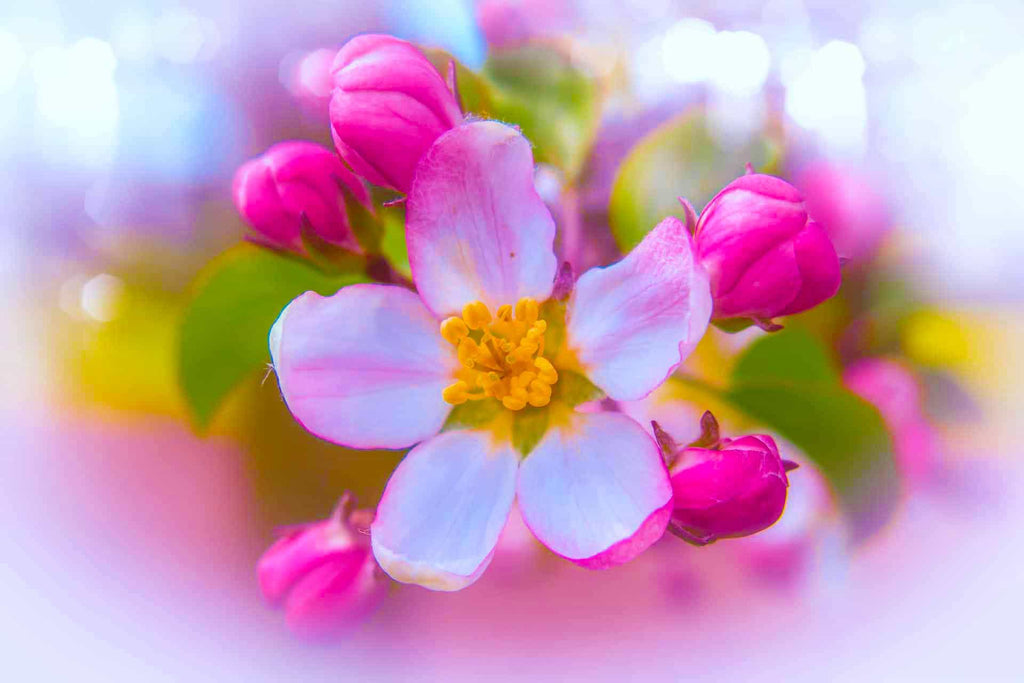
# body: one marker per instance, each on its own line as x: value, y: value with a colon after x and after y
x: 735, y: 489
x: 388, y: 106
x: 323, y: 573
x: 847, y: 206
x: 894, y: 391
x: 294, y: 183
x: 764, y: 257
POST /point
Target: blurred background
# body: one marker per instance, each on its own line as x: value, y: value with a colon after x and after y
x: 131, y: 536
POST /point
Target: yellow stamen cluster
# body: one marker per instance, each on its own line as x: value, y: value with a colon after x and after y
x: 500, y: 356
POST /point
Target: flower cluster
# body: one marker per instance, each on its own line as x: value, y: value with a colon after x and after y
x: 480, y: 366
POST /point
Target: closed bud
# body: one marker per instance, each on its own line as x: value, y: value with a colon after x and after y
x: 324, y: 574
x: 388, y: 106
x: 764, y: 256
x: 735, y: 489
x: 296, y: 186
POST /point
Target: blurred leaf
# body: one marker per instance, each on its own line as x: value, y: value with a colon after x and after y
x: 680, y: 158
x: 225, y: 326
x: 295, y: 476
x: 474, y: 92
x: 529, y: 427
x: 786, y: 382
x: 556, y: 105
x: 365, y: 224
x: 792, y: 355
x: 393, y: 244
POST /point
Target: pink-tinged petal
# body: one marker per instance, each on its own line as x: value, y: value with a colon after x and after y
x: 477, y: 229
x: 364, y: 368
x: 632, y: 323
x: 595, y: 491
x: 439, y: 519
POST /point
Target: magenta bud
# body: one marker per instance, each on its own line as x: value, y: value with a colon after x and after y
x: 295, y: 186
x: 388, y: 106
x: 324, y: 574
x: 734, y: 490
x: 764, y: 256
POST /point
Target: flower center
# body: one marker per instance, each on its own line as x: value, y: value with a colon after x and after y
x: 501, y: 357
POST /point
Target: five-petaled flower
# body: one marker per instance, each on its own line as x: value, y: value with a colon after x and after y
x: 378, y: 366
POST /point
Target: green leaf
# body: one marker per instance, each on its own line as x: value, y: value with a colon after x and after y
x: 788, y: 383
x: 528, y: 428
x: 680, y: 158
x: 472, y: 414
x: 393, y: 244
x: 537, y: 88
x: 572, y: 388
x: 792, y: 356
x: 223, y: 336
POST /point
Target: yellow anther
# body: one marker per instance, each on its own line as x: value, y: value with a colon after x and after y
x: 454, y: 330
x: 522, y: 354
x: 539, y: 400
x: 468, y: 352
x: 540, y: 387
x: 526, y: 378
x: 545, y: 370
x: 476, y: 315
x: 513, y: 403
x: 501, y: 357
x: 527, y: 310
x: 538, y: 330
x: 456, y: 393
